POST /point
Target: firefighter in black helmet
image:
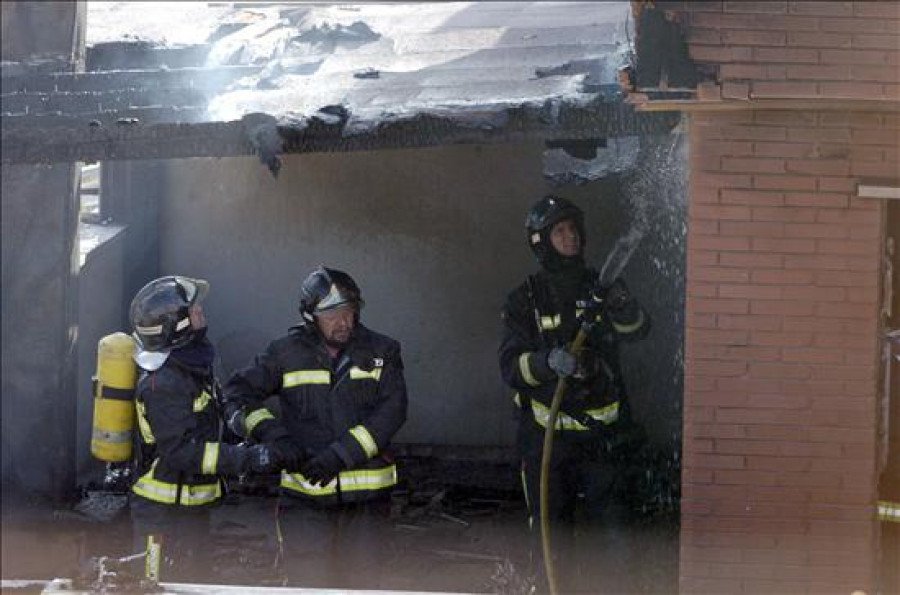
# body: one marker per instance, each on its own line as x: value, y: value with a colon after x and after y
x: 594, y: 426
x: 342, y: 398
x: 180, y: 458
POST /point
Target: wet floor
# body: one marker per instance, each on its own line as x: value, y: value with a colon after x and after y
x: 450, y: 540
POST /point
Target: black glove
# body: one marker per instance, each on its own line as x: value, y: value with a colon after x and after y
x: 289, y: 454
x: 261, y: 460
x: 323, y: 467
x: 562, y: 362
x: 617, y: 297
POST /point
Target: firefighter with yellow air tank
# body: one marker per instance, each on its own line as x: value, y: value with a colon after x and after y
x: 180, y: 457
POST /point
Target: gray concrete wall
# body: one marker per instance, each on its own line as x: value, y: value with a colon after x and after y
x: 434, y: 237
x: 101, y: 309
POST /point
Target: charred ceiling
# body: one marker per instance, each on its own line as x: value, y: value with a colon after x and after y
x: 269, y: 79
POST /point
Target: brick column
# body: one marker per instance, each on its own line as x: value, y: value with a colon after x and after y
x: 783, y: 273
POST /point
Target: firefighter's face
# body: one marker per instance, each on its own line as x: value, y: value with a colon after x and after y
x: 336, y: 325
x: 197, y: 316
x: 565, y: 238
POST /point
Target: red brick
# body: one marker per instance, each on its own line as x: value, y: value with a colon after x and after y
x: 816, y: 230
x: 785, y: 214
x: 783, y: 182
x: 843, y: 185
x: 822, y: 72
x: 781, y: 277
x: 847, y: 247
x: 818, y: 134
x: 720, y: 337
x: 714, y: 461
x: 844, y: 373
x: 863, y: 296
x: 779, y: 464
x: 842, y: 56
x: 744, y: 477
x: 694, y: 414
x: 890, y: 10
x: 820, y: 199
x: 809, y: 449
x: 844, y: 310
x: 720, y: 306
x: 720, y: 274
x: 702, y: 290
x: 713, y: 586
x: 822, y: 8
x: 808, y: 479
x: 752, y: 322
x: 872, y: 169
x: 713, y: 431
x: 779, y: 89
x: 851, y: 119
x: 698, y: 258
x: 753, y: 38
x: 786, y: 55
x: 788, y: 23
x: 751, y: 292
x: 780, y: 371
x: 818, y: 39
x: 721, y: 147
x: 827, y: 167
x: 714, y: 243
x: 841, y: 528
x: 745, y: 447
x: 718, y: 398
x: 704, y: 195
x: 786, y: 308
x: 847, y: 279
x: 742, y: 71
x: 751, y: 260
x: 757, y: 133
x: 848, y: 90
x: 783, y: 246
x: 751, y: 354
x: 837, y: 25
x: 720, y: 180
x: 812, y: 356
x: 719, y: 213
x: 815, y: 294
x: 753, y: 229
x: 849, y: 217
x: 870, y: 72
x: 751, y: 197
x: 692, y: 475
x: 876, y: 137
x: 783, y: 339
x: 797, y: 150
x: 753, y: 165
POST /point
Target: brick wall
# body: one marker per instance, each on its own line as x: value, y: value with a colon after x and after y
x: 783, y: 282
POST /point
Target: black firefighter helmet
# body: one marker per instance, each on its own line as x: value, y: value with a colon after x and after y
x: 546, y: 213
x: 326, y: 289
x: 160, y: 313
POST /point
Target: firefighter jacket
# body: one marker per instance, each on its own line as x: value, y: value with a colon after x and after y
x: 537, y: 317
x: 180, y: 457
x: 353, y: 405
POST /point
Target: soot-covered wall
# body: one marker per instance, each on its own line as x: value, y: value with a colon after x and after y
x: 435, y: 239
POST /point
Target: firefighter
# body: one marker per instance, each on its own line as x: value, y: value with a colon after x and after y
x: 180, y: 455
x: 594, y: 428
x: 342, y: 397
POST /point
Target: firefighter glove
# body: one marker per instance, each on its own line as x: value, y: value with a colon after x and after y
x: 324, y: 467
x: 617, y: 297
x: 289, y: 454
x: 262, y: 460
x: 562, y: 362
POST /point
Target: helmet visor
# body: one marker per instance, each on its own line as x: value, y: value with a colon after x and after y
x: 195, y: 290
x: 336, y: 297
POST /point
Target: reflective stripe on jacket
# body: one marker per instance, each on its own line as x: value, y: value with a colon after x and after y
x: 353, y: 405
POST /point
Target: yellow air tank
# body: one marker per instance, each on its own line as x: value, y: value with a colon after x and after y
x: 114, y: 398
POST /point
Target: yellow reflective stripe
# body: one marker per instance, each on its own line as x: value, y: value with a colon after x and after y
x: 606, y: 415
x: 563, y: 420
x: 143, y: 424
x: 365, y: 440
x: 889, y: 512
x: 201, y: 402
x: 525, y: 370
x: 167, y: 493
x: 300, y: 377
x: 351, y: 481
x: 360, y: 374
x: 624, y: 329
x: 210, y: 458
x: 257, y: 416
x: 550, y: 322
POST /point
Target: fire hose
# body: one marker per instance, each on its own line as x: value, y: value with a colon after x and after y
x: 561, y: 386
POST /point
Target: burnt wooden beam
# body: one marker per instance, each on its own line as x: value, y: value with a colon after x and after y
x: 73, y: 139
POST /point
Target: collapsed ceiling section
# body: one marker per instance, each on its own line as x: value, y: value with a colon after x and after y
x: 214, y: 79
